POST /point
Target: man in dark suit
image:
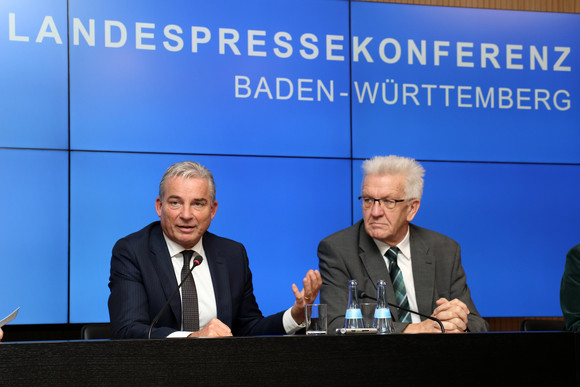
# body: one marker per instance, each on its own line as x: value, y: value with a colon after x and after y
x: 147, y: 266
x: 426, y: 265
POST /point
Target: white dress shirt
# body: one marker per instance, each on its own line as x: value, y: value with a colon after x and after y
x: 404, y: 263
x: 203, y: 283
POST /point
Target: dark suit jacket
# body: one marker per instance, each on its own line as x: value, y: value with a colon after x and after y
x: 142, y: 279
x: 570, y: 290
x: 352, y: 254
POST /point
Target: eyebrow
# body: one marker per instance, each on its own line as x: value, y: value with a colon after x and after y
x: 388, y: 197
x: 194, y: 199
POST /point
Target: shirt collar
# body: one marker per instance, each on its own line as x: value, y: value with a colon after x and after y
x: 175, y: 248
x: 404, y: 246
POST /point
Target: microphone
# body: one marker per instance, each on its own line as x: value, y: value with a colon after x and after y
x: 197, y: 260
x: 362, y: 294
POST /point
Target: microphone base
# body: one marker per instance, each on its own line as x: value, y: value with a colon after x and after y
x: 356, y: 331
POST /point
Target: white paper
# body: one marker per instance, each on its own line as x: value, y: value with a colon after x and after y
x: 9, y: 318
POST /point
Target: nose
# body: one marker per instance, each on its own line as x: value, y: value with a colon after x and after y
x: 376, y: 209
x: 186, y: 213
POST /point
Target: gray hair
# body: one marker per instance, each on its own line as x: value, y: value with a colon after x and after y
x: 188, y: 170
x: 397, y: 165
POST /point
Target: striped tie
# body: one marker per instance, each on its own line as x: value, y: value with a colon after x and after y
x: 189, y: 296
x: 398, y: 284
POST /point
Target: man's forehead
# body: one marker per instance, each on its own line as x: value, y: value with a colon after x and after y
x: 181, y: 186
x: 384, y: 182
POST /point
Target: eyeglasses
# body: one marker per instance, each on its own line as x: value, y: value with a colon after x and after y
x: 388, y: 204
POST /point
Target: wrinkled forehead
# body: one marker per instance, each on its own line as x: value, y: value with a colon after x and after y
x: 384, y: 186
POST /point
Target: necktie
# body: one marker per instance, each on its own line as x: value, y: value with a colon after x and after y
x: 398, y: 284
x: 189, y: 305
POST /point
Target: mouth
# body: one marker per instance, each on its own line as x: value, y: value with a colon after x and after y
x: 377, y: 224
x: 186, y: 229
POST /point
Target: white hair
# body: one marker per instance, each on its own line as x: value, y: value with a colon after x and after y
x: 397, y: 165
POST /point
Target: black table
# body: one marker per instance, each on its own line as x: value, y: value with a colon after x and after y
x: 517, y: 358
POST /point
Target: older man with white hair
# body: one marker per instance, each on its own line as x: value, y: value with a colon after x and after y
x: 422, y: 268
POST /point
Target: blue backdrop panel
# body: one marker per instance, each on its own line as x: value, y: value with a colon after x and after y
x: 264, y: 91
x: 184, y: 98
x: 33, y: 74
x: 279, y: 208
x: 453, y: 107
x: 34, y: 237
x: 515, y: 224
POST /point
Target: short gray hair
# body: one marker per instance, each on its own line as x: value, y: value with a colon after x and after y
x: 397, y: 165
x: 188, y: 170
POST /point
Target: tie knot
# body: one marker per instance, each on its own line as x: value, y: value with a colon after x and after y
x: 392, y: 254
x: 187, y: 254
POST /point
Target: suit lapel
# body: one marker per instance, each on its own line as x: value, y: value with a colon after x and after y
x: 374, y: 264
x: 219, y: 277
x: 423, y: 271
x: 164, y: 269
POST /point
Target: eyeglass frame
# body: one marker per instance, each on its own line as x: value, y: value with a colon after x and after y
x: 383, y: 203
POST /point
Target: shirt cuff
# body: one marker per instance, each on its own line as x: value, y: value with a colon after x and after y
x: 178, y: 334
x: 290, y: 325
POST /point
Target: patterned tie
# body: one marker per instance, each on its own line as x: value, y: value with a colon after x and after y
x: 398, y: 284
x: 189, y: 296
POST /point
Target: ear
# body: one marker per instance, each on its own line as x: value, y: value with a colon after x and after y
x: 158, y: 205
x: 214, y: 209
x: 413, y: 208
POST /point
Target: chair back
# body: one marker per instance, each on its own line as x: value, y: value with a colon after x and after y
x: 96, y: 331
x: 542, y: 325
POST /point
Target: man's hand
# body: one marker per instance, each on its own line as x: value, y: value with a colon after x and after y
x: 215, y: 328
x: 453, y: 315
x: 425, y: 326
x: 312, y: 283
